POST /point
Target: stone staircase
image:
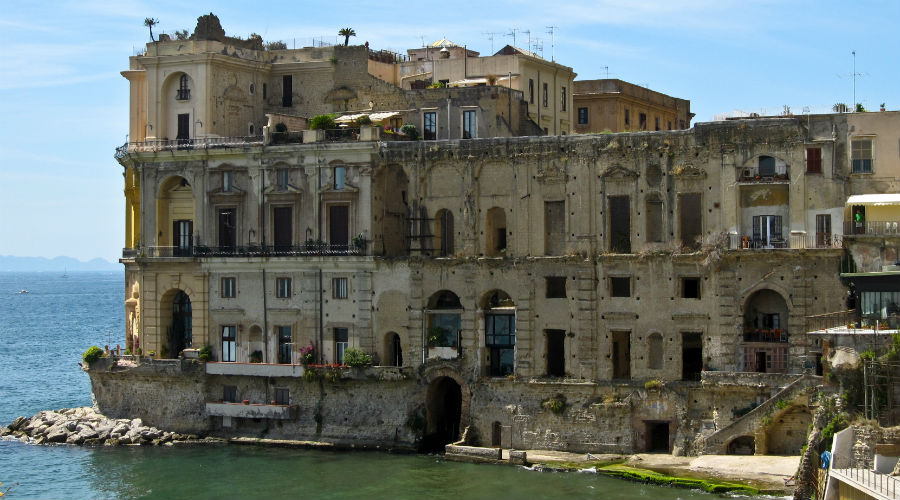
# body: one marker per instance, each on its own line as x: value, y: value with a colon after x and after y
x: 747, y: 425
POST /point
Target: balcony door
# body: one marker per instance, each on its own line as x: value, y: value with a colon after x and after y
x: 767, y: 230
x: 282, y: 228
x: 182, y: 230
x: 339, y: 226
x: 227, y: 228
x: 184, y: 129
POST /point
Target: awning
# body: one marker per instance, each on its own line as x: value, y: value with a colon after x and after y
x: 375, y: 117
x: 468, y: 82
x: 874, y: 199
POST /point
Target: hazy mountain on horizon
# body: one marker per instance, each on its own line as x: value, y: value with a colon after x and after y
x: 60, y: 264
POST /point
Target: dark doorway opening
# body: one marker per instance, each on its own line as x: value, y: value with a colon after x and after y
x: 657, y: 437
x: 182, y: 231
x: 496, y: 434
x: 443, y: 410
x: 396, y: 352
x: 338, y: 225
x: 744, y: 445
x: 556, y: 354
x: 621, y: 355
x: 282, y: 228
x: 180, y: 333
x: 619, y: 224
x: 227, y: 232
x: 691, y: 355
x: 183, y: 135
x: 761, y: 362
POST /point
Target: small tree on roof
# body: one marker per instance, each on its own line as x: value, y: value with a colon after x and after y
x: 150, y: 23
x: 346, y: 33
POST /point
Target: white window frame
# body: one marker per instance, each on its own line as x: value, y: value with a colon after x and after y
x: 229, y: 347
x: 854, y: 148
x: 227, y: 181
x: 339, y: 288
x: 283, y: 288
x: 229, y: 287
x: 474, y: 115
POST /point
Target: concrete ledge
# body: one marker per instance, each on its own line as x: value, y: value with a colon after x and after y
x: 472, y: 453
x: 254, y: 369
x: 238, y: 410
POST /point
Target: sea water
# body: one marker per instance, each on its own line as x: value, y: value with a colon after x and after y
x: 42, y: 336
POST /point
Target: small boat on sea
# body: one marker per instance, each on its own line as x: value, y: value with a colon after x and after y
x: 22, y: 291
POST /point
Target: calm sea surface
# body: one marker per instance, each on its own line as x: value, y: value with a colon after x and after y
x: 42, y: 336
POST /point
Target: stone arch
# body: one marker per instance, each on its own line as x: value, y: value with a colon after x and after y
x: 741, y: 445
x: 175, y: 322
x: 178, y: 93
x: 443, y: 426
x: 786, y: 435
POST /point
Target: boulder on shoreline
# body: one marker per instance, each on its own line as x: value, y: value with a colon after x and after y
x: 84, y: 426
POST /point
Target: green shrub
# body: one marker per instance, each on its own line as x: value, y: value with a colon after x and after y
x: 781, y: 404
x: 92, y: 354
x: 322, y: 122
x: 653, y: 383
x: 356, y: 358
x: 363, y: 120
x: 410, y: 130
x: 437, y: 337
x: 311, y: 375
x: 205, y: 353
x: 437, y: 85
x: 281, y: 127
x: 556, y: 404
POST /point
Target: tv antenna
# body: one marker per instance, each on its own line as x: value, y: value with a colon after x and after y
x: 853, y: 75
x: 551, y: 30
x: 538, y: 46
x: 512, y: 33
x: 490, y: 36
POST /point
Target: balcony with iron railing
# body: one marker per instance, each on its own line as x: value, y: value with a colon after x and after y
x: 157, y: 145
x: 765, y: 335
x: 872, y: 228
x: 797, y: 241
x: 757, y: 175
x: 310, y: 249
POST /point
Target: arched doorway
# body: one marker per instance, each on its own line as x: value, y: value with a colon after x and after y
x: 393, y: 350
x: 786, y: 435
x: 766, y: 336
x: 443, y: 411
x: 743, y: 445
x: 180, y: 333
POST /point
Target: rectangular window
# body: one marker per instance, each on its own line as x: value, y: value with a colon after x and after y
x: 283, y: 288
x: 500, y: 339
x: 429, y: 125
x: 620, y: 287
x: 282, y: 228
x: 813, y: 160
x: 282, y: 396
x: 469, y: 126
x: 690, y: 219
x: 227, y: 181
x: 284, y: 344
x: 620, y: 224
x: 656, y: 124
x: 554, y: 227
x: 530, y: 91
x: 556, y: 287
x: 690, y: 288
x: 556, y: 354
x: 283, y: 178
x: 546, y: 96
x: 861, y: 156
x: 563, y: 96
x: 287, y: 91
x: 229, y: 288
x: 582, y: 116
x: 642, y: 121
x: 229, y: 394
x: 265, y: 91
x: 669, y: 123
x: 627, y: 117
x: 341, y: 339
x: 339, y: 288
x: 339, y: 174
x: 228, y: 343
x: 767, y: 231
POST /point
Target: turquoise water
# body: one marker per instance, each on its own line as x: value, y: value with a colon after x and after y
x: 42, y: 336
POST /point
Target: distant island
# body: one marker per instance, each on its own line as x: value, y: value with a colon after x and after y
x: 59, y: 264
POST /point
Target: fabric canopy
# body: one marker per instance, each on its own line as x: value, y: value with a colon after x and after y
x: 874, y: 199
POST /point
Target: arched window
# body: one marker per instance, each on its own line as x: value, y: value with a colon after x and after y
x: 444, y: 322
x: 184, y: 92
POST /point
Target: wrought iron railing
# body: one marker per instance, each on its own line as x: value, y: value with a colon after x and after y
x: 872, y: 227
x: 309, y: 249
x: 187, y: 144
x: 794, y: 241
x: 765, y: 335
x: 755, y: 174
x: 341, y: 134
x: 837, y: 319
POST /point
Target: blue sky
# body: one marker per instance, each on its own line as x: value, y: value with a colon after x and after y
x: 65, y: 106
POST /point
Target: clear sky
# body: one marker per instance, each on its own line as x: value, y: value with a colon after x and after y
x: 65, y: 106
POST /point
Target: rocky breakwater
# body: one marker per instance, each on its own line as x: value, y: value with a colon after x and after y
x: 84, y: 426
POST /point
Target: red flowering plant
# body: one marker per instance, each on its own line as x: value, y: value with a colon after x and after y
x: 307, y: 354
